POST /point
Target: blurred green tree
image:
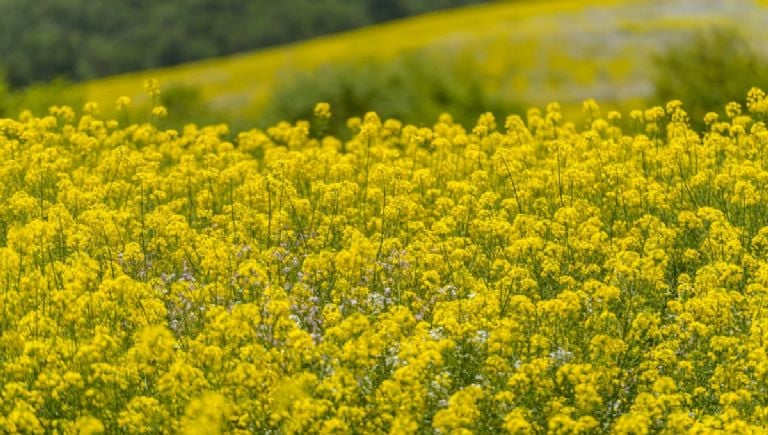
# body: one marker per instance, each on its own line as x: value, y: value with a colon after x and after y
x: 708, y: 69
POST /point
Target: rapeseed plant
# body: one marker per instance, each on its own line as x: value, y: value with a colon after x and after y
x: 524, y: 275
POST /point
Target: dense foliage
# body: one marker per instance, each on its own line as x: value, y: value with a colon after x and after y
x: 708, y: 68
x: 417, y: 86
x: 81, y: 39
x: 524, y: 275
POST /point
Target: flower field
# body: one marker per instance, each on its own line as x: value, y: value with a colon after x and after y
x: 528, y: 274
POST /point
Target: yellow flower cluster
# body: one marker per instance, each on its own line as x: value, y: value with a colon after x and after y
x: 524, y: 275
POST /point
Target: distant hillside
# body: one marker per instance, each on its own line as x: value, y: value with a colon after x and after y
x: 245, y: 81
x: 84, y: 39
x: 531, y: 51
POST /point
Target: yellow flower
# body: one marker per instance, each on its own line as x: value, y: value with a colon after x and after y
x: 206, y: 414
x: 516, y: 422
x: 461, y: 413
x: 22, y: 419
x: 123, y: 103
x: 152, y: 88
x: 159, y: 112
x: 88, y: 425
x: 322, y: 111
x: 144, y: 415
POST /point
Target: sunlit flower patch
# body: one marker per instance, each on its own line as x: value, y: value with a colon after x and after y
x: 529, y: 275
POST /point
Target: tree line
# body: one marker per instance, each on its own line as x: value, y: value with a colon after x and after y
x: 83, y: 39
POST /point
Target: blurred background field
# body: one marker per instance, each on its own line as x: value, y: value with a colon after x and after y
x: 501, y: 56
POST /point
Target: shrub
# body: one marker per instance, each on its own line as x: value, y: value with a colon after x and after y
x: 708, y: 69
x: 417, y: 87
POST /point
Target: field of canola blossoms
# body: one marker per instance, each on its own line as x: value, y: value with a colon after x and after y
x: 528, y: 275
